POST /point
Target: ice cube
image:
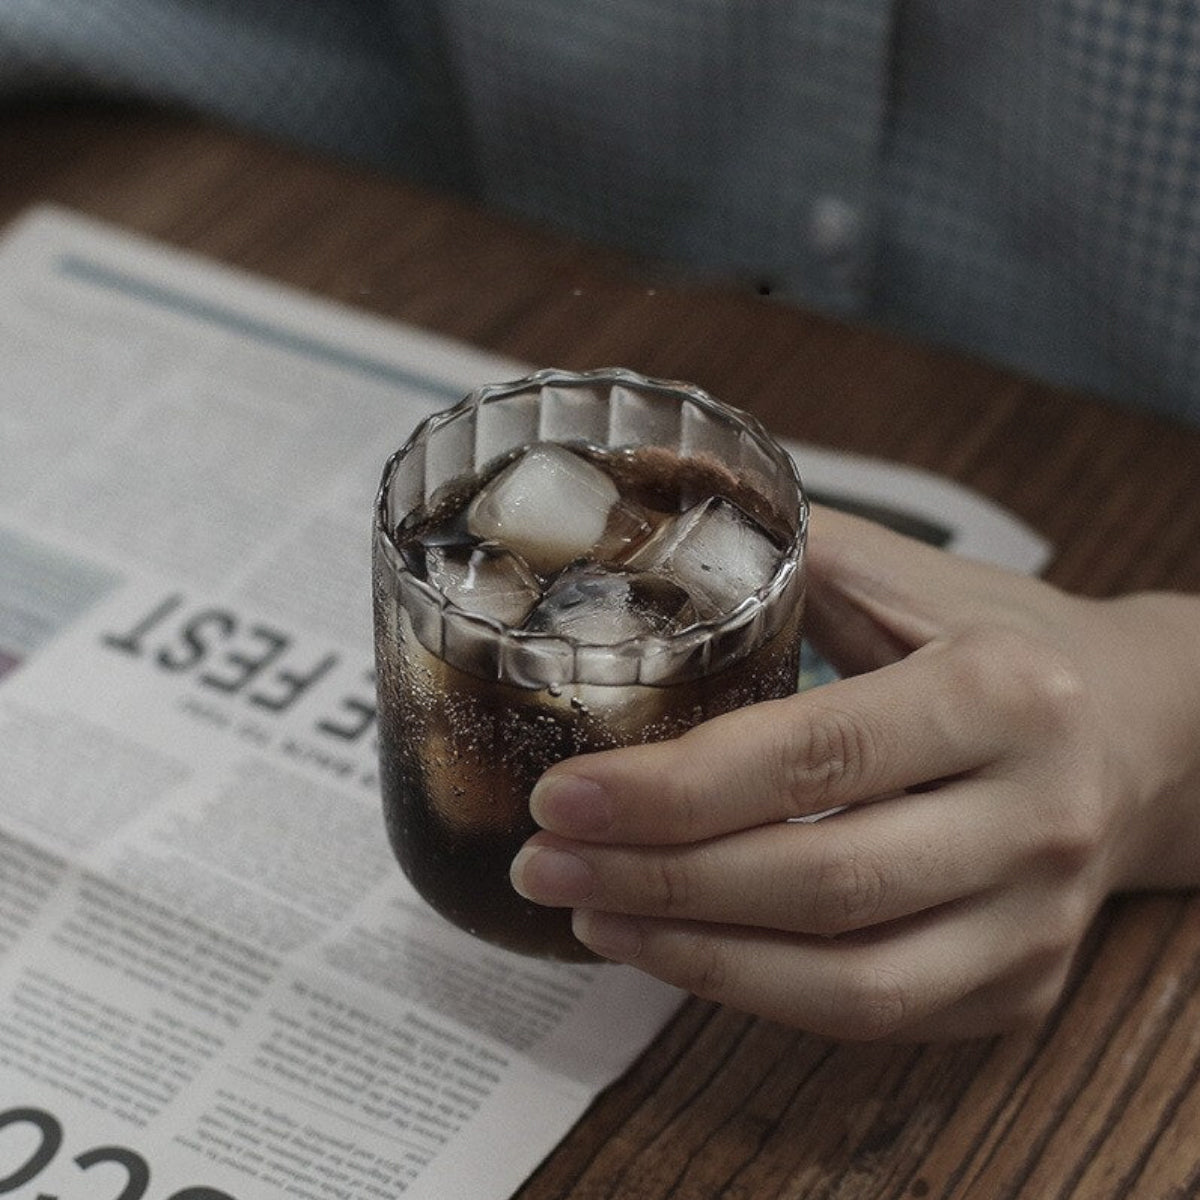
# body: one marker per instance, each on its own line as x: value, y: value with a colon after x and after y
x: 715, y: 551
x: 553, y: 506
x: 483, y: 578
x: 602, y: 607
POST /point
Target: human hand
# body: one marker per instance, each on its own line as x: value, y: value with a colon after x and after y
x: 1006, y: 754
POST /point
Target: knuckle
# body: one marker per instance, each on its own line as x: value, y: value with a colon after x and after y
x: 706, y: 969
x: 1044, y: 699
x: 823, y: 757
x: 875, y: 1005
x: 1073, y: 832
x: 1055, y: 694
x: 987, y: 662
x: 668, y: 885
x: 1070, y: 825
x: 1028, y: 676
x: 849, y: 892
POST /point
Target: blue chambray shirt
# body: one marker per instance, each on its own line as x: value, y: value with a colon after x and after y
x: 1015, y: 178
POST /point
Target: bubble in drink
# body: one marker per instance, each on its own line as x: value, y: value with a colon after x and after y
x: 642, y: 589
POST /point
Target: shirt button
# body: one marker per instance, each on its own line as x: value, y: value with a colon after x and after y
x: 833, y: 225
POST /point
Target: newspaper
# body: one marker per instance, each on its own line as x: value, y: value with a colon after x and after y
x: 215, y: 984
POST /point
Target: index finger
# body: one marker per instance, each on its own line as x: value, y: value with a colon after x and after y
x: 917, y: 720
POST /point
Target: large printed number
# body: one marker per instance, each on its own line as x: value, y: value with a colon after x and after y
x: 136, y: 1168
x: 134, y: 1164
x: 52, y: 1136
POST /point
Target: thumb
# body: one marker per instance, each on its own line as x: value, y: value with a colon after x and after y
x: 874, y: 595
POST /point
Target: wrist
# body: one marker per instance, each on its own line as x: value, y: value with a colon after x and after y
x: 1151, y: 704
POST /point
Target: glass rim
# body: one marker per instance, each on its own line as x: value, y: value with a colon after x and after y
x: 783, y: 577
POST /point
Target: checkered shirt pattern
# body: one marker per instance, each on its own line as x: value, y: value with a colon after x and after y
x: 1018, y: 180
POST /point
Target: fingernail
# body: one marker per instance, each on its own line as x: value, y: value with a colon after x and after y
x: 571, y: 806
x: 612, y: 937
x: 552, y: 877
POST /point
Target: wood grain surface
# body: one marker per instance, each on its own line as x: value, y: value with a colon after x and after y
x: 1104, y: 1100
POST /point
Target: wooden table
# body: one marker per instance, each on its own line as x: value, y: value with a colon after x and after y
x: 1104, y: 1101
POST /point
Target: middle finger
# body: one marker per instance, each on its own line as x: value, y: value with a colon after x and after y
x: 860, y: 868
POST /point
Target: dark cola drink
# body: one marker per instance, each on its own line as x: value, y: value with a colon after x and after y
x: 540, y: 598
